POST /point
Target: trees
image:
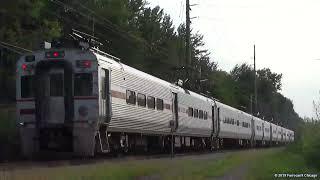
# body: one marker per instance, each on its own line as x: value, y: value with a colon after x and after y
x: 142, y: 37
x: 271, y: 104
x: 21, y: 24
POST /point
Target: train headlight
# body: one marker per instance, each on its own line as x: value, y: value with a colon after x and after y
x: 24, y: 67
x: 27, y: 67
x: 83, y: 64
x: 54, y: 54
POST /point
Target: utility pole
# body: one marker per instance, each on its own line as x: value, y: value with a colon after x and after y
x: 188, y: 52
x: 251, y: 104
x: 92, y: 26
x: 255, y: 82
x: 188, y: 21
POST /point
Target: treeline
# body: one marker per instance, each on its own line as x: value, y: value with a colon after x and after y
x: 142, y: 37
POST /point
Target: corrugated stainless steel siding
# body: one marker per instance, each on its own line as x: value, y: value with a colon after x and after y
x: 132, y: 117
x: 127, y: 116
x: 193, y: 126
x: 139, y: 84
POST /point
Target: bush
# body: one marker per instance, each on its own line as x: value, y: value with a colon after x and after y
x: 9, y: 139
x: 307, y: 144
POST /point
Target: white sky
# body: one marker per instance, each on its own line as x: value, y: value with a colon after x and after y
x: 286, y: 34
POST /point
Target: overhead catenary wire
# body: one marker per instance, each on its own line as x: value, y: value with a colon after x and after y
x: 15, y: 46
x: 158, y: 50
x: 11, y: 49
x: 102, y: 35
x: 82, y: 25
x: 95, y: 20
x: 109, y: 26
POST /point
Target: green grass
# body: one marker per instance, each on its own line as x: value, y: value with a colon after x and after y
x: 279, y: 162
x: 7, y: 123
x: 208, y: 169
x: 9, y: 140
x: 167, y: 169
x: 299, y: 158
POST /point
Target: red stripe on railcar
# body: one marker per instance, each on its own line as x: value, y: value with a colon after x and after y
x: 27, y: 111
x: 25, y: 100
x: 85, y: 97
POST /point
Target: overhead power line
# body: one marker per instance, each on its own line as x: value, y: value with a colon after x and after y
x: 89, y: 28
x: 11, y: 49
x: 108, y: 25
x: 118, y: 29
x: 15, y: 46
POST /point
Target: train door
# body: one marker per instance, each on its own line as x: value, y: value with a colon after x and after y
x: 263, y: 138
x: 218, y: 121
x: 213, y: 120
x: 54, y: 94
x: 175, y: 109
x: 105, y: 91
x: 54, y: 105
x: 55, y: 99
x: 271, y: 133
x: 253, y: 133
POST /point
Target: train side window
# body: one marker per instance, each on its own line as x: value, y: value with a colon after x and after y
x: 196, y: 112
x: 27, y: 87
x: 238, y: 122
x: 200, y: 114
x: 151, y: 102
x: 159, y: 104
x: 190, y: 112
x: 205, y: 115
x: 83, y: 83
x: 131, y: 97
x: 141, y: 100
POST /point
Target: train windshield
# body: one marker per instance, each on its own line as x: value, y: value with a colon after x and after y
x: 83, y: 84
x: 27, y: 87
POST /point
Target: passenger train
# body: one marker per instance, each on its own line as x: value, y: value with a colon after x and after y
x: 84, y: 101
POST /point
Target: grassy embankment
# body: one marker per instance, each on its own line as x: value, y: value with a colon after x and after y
x: 302, y: 157
x: 203, y: 167
x: 9, y: 144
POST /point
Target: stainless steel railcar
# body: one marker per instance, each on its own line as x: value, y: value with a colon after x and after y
x: 86, y: 101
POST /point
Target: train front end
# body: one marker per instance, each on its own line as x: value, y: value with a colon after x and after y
x: 57, y: 101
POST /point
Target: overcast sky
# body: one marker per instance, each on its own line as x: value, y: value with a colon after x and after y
x: 286, y: 34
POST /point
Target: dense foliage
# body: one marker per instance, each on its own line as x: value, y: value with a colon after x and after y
x: 143, y: 37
